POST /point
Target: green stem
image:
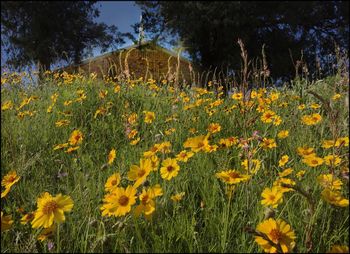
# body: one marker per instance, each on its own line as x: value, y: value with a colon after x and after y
x: 58, y: 238
x: 225, y: 216
x: 138, y: 234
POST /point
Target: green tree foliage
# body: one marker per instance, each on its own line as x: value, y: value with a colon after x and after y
x: 209, y: 30
x: 45, y: 32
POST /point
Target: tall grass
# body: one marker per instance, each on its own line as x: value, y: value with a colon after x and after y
x: 206, y: 219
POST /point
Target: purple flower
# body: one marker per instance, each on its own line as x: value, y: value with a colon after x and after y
x: 50, y: 245
x: 62, y: 174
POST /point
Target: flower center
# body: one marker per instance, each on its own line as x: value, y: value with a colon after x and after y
x: 314, y: 162
x: 123, y: 200
x: 77, y: 137
x: 144, y: 199
x: 275, y: 235
x: 114, y: 182
x: 50, y: 207
x: 272, y: 197
x: 141, y: 173
x: 30, y: 216
x: 233, y: 175
x: 11, y: 179
x: 200, y: 144
x: 170, y: 168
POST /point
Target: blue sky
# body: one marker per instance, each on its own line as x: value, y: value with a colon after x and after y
x: 119, y: 13
x: 122, y: 14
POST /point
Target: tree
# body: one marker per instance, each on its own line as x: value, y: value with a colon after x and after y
x: 210, y: 30
x: 46, y: 32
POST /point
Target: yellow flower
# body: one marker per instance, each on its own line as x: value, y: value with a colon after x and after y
x: 283, y: 134
x: 300, y: 174
x: 315, y: 106
x: 147, y: 204
x: 330, y: 182
x: 61, y: 123
x: 100, y: 111
x: 72, y: 149
x: 102, y: 94
x: 254, y: 165
x: 169, y: 169
x: 164, y: 147
x: 210, y: 148
x: 285, y: 172
x: 27, y: 218
x: 154, y: 162
x: 154, y: 149
x: 135, y: 141
x: 334, y: 198
x: 339, y: 249
x: 6, y: 222
x: 7, y: 105
x: 177, y: 197
x: 111, y: 156
x: 184, y: 155
x: 112, y: 182
x: 268, y: 143
x: 274, y: 96
x: 149, y: 116
x: 332, y: 160
x: 342, y: 141
x: 272, y: 197
x: 237, y: 96
x: 132, y: 119
x: 214, y: 127
x: 253, y: 94
x: 8, y: 181
x: 313, y: 161
x: 192, y: 130
x: 305, y: 151
x: 311, y: 119
x: 198, y: 143
x: 267, y: 116
x: 277, y: 120
x: 117, y: 88
x: 76, y: 138
x: 119, y: 202
x: 328, y: 144
x: 281, y: 181
x: 232, y: 176
x: 60, y: 146
x: 67, y: 103
x: 169, y: 131
x: 46, y: 233
x: 279, y: 232
x: 336, y: 97
x: 132, y: 134
x: 283, y: 160
x: 301, y: 106
x: 51, y: 209
x: 140, y: 173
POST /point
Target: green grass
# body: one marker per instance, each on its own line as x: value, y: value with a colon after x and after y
x: 187, y: 226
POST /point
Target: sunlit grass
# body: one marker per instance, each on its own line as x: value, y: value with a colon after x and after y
x: 200, y: 209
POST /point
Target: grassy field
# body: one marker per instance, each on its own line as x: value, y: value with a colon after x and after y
x: 287, y: 150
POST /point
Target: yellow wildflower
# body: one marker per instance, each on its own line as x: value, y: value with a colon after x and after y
x: 232, y: 176
x: 169, y: 169
x: 51, y: 209
x: 279, y: 232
